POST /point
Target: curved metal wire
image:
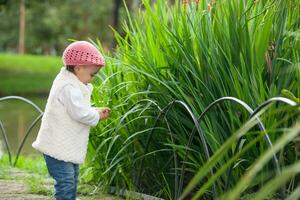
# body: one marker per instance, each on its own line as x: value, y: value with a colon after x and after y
x: 245, y: 106
x: 5, y: 141
x: 22, y: 99
x: 28, y: 130
x: 164, y: 113
x: 274, y: 100
x: 27, y: 133
x: 171, y: 137
x: 259, y: 108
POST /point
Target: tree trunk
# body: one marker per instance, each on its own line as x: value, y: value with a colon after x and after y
x: 115, y: 22
x: 21, y: 47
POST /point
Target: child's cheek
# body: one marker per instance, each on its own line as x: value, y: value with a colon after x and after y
x: 89, y: 78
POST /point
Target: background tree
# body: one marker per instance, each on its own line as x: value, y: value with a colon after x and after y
x: 50, y: 23
x: 22, y: 25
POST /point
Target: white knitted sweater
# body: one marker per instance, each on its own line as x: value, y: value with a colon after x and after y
x: 60, y: 136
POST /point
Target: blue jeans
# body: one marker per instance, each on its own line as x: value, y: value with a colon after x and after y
x: 65, y: 175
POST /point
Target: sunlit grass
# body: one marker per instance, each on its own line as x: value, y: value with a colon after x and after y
x: 195, y: 55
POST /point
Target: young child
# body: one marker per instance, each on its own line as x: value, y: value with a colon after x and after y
x: 64, y: 131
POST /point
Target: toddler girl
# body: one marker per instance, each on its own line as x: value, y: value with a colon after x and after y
x: 64, y: 132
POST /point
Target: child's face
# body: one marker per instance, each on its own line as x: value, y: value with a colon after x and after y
x: 85, y: 73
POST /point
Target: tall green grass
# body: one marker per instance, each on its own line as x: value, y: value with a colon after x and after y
x: 172, y: 62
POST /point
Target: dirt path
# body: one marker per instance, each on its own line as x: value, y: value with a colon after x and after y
x: 17, y: 190
x: 18, y: 185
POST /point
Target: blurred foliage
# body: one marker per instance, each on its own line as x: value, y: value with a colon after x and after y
x: 49, y: 24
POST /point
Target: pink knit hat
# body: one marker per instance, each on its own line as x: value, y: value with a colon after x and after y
x: 82, y: 53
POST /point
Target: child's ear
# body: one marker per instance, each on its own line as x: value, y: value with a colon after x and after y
x: 77, y: 68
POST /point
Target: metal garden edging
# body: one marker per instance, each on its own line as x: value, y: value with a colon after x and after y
x: 28, y: 131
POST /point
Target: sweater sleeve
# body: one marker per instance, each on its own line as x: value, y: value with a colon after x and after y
x: 72, y: 99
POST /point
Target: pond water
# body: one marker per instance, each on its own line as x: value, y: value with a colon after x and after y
x: 16, y: 117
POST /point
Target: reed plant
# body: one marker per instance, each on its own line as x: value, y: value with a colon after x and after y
x: 172, y: 61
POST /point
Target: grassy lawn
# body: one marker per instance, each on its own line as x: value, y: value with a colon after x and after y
x: 27, y: 74
x: 31, y: 171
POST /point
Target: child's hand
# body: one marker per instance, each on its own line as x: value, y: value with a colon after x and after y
x: 103, y: 112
